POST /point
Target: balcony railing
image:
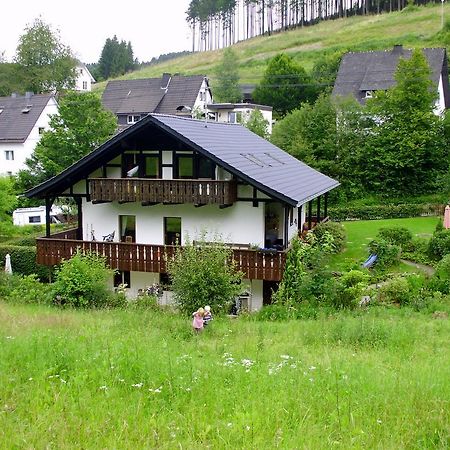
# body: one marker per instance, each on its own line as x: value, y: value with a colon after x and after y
x: 151, y: 191
x: 256, y: 265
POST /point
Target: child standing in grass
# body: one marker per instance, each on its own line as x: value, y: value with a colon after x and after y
x: 197, y: 322
x: 207, y: 317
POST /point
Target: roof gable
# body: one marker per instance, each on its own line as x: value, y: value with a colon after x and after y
x: 144, y: 96
x: 19, y: 115
x: 371, y: 71
x: 231, y: 146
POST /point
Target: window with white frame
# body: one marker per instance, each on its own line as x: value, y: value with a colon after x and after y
x: 369, y: 94
x: 34, y: 219
x: 9, y: 155
x: 41, y: 130
x: 232, y: 117
x: 133, y: 118
x: 85, y: 85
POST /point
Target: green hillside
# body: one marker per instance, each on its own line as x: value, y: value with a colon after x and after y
x: 418, y: 27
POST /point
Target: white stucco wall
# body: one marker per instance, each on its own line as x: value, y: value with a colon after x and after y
x: 83, y: 75
x: 241, y: 223
x: 440, y: 102
x: 24, y: 150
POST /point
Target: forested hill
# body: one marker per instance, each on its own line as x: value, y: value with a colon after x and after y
x: 412, y: 27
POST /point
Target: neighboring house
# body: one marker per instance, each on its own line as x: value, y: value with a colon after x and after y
x: 22, y: 121
x: 131, y: 100
x: 239, y: 112
x: 363, y: 73
x: 84, y: 79
x: 167, y: 179
x: 36, y: 216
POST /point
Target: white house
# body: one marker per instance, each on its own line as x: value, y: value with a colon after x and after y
x: 35, y: 215
x: 131, y: 100
x: 363, y: 73
x: 240, y: 112
x: 22, y: 121
x: 166, y: 179
x: 84, y: 79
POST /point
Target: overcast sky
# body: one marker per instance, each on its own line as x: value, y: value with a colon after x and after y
x: 153, y: 26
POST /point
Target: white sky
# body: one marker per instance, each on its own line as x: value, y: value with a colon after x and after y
x: 153, y: 26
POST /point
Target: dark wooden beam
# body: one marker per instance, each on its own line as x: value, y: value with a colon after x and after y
x: 48, y: 207
x: 199, y: 205
x: 98, y: 202
x: 286, y: 226
x: 309, y: 214
x: 149, y: 203
x: 79, y: 203
x: 225, y: 206
x: 318, y: 209
x: 325, y: 205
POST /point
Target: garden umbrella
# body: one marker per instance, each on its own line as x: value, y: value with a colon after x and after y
x: 8, y: 268
x: 447, y: 217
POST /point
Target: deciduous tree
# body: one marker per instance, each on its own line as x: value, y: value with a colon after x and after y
x: 81, y: 125
x: 48, y: 64
x: 227, y: 76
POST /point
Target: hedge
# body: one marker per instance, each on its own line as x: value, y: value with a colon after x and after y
x: 23, y: 261
x: 386, y: 211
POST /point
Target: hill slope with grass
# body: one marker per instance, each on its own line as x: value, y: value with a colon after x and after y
x: 412, y: 27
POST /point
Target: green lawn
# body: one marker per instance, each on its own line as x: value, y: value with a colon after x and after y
x: 361, y: 232
x: 376, y: 378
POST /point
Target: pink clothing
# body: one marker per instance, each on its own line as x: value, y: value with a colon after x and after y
x: 197, y: 323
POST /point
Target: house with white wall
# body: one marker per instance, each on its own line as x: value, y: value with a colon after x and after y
x: 361, y: 74
x: 84, y: 79
x: 168, y: 179
x: 22, y: 121
x: 239, y: 112
x: 131, y: 100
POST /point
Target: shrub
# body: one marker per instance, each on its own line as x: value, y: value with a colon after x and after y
x: 82, y: 281
x: 23, y: 261
x: 396, y: 235
x: 396, y: 291
x: 441, y: 279
x: 281, y: 313
x: 439, y: 244
x: 23, y: 289
x: 204, y: 273
x: 387, y: 254
x: 336, y: 230
x: 349, y: 289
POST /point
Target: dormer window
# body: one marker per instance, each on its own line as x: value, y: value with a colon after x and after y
x: 133, y: 119
x: 369, y: 94
x: 27, y: 109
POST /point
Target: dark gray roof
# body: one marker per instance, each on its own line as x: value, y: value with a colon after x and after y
x: 144, y: 96
x: 253, y: 158
x: 371, y: 71
x: 19, y: 115
x: 232, y: 146
x: 182, y: 91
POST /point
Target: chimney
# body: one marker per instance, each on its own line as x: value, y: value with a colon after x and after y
x: 29, y: 94
x: 398, y: 48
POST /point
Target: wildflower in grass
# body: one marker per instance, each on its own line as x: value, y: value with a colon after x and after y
x: 121, y: 380
x: 30, y: 379
x: 312, y: 380
x: 312, y: 368
x: 103, y: 388
x: 137, y: 385
x: 248, y: 428
x: 63, y: 381
x: 10, y: 337
x: 229, y: 424
x: 156, y: 391
x: 286, y: 357
x: 188, y: 389
x: 379, y: 421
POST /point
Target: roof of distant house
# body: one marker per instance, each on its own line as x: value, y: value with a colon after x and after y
x: 232, y: 146
x: 360, y: 72
x: 19, y: 114
x: 152, y: 95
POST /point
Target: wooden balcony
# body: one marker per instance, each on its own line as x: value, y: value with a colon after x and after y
x: 153, y: 191
x: 256, y: 265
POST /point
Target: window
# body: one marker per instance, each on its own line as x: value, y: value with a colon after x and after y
x: 127, y: 228
x: 122, y: 277
x: 133, y: 118
x: 369, y: 94
x: 9, y: 155
x: 151, y: 167
x: 206, y: 168
x: 41, y: 130
x: 34, y: 219
x: 232, y: 117
x: 85, y: 85
x: 185, y: 166
x: 172, y: 230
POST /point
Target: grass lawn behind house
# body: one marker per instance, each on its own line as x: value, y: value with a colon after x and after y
x: 361, y: 232
x: 376, y: 378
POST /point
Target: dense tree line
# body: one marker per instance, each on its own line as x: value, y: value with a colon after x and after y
x: 116, y: 59
x: 220, y: 23
x: 395, y: 145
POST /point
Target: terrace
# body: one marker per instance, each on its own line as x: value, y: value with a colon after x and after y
x: 125, y: 256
